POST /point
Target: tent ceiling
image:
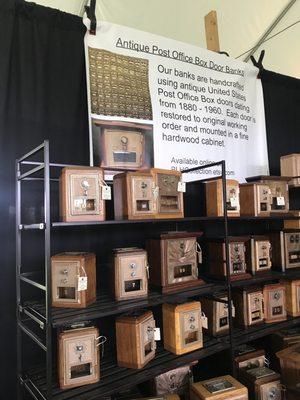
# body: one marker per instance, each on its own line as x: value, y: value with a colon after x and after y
x: 241, y: 24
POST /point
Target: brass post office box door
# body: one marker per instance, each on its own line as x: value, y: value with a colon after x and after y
x: 123, y: 148
x: 80, y: 359
x: 255, y: 307
x: 232, y: 197
x: 169, y: 199
x: 262, y: 255
x: 222, y: 315
x: 65, y: 281
x: 278, y: 189
x: 271, y: 391
x: 190, y: 328
x: 132, y: 276
x: 143, y: 201
x: 237, y: 257
x: 263, y: 198
x: 148, y: 344
x: 85, y: 194
x: 181, y: 260
x: 292, y: 249
x: 276, y: 303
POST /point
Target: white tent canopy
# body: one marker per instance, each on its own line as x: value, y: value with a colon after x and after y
x: 241, y: 24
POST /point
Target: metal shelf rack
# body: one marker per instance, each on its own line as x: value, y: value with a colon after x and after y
x: 40, y: 383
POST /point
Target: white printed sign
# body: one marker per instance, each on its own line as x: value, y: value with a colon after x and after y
x: 206, y: 107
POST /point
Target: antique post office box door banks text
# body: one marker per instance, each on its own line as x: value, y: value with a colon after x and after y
x: 279, y: 191
x: 78, y: 357
x: 173, y: 258
x: 214, y: 198
x: 182, y: 327
x: 274, y: 302
x: 134, y: 195
x: 80, y: 194
x: 135, y: 339
x: 255, y: 199
x: 130, y: 273
x: 290, y: 166
x: 248, y: 307
x: 73, y: 280
x: 169, y: 198
x: 237, y: 257
x: 286, y: 249
x: 221, y: 388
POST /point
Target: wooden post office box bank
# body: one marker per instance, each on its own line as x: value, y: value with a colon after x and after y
x: 290, y: 365
x: 292, y: 223
x: 274, y: 303
x: 169, y: 199
x: 292, y: 290
x: 217, y: 315
x: 237, y: 258
x: 134, y: 195
x: 214, y: 198
x: 248, y: 307
x: 290, y: 166
x: 174, y: 381
x: 135, y: 339
x: 252, y: 359
x: 122, y: 148
x: 130, y: 273
x: 279, y: 191
x: 259, y: 254
x: 262, y: 382
x: 78, y: 357
x: 286, y: 249
x: 255, y: 199
x: 173, y: 258
x: 73, y: 280
x: 80, y: 194
x: 221, y: 388
x: 182, y: 327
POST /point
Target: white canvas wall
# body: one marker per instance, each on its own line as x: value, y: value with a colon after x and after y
x: 241, y: 23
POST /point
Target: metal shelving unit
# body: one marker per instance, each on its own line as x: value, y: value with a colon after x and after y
x: 41, y: 382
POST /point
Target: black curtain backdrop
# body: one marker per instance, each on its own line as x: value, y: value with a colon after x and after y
x: 43, y: 95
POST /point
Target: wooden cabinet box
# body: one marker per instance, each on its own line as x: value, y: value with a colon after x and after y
x: 80, y: 194
x: 259, y: 254
x: 274, y: 303
x: 134, y: 195
x: 285, y: 338
x: 176, y: 381
x: 135, y: 339
x: 67, y: 272
x: 78, y: 357
x: 182, y: 327
x: 130, y: 273
x: 262, y: 382
x: 290, y: 365
x: 122, y: 148
x: 292, y: 291
x: 253, y: 359
x: 279, y: 191
x: 290, y: 166
x: 248, y: 307
x: 169, y: 199
x: 173, y: 258
x: 237, y: 258
x: 286, y: 249
x: 217, y: 315
x: 214, y: 198
x: 255, y: 200
x: 292, y: 223
x: 221, y: 388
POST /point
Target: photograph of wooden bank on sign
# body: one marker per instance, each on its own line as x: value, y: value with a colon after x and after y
x: 157, y: 102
